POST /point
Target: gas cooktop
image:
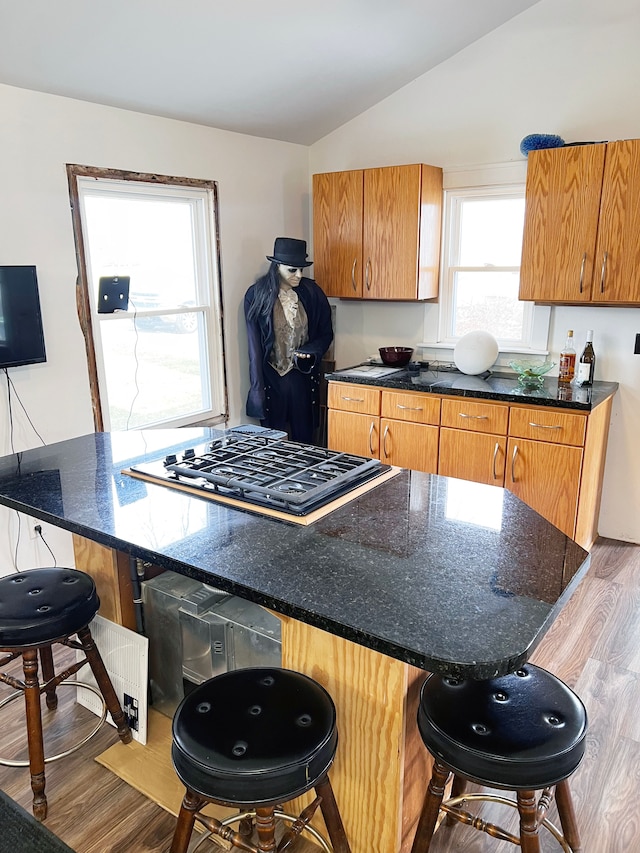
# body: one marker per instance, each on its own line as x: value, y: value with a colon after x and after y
x: 261, y: 467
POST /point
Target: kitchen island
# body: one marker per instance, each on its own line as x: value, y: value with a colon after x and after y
x: 419, y: 573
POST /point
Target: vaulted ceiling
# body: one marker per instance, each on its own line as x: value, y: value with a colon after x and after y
x: 283, y: 69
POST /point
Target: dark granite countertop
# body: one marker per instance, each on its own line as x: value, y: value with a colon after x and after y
x: 444, y: 574
x: 488, y: 386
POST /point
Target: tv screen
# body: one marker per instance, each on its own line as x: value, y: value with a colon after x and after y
x: 21, y: 334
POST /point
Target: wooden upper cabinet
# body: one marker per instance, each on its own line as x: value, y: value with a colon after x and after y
x: 376, y: 232
x: 617, y: 273
x: 561, y: 222
x: 582, y: 225
x: 337, y: 232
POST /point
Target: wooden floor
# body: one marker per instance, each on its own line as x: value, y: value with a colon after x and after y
x: 594, y: 646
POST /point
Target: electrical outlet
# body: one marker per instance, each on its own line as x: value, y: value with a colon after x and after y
x: 35, y: 528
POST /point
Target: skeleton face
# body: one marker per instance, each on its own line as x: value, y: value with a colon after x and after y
x: 289, y: 276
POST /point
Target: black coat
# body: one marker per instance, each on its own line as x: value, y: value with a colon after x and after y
x: 261, y: 336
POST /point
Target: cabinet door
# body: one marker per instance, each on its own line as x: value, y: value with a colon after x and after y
x: 560, y: 225
x: 409, y: 445
x: 337, y: 232
x: 617, y: 273
x: 547, y: 478
x: 353, y: 433
x: 401, y: 233
x: 476, y: 456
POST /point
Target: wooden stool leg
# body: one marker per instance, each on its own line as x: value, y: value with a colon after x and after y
x: 266, y: 827
x: 186, y: 818
x: 34, y: 732
x: 332, y: 817
x: 431, y: 808
x: 529, y: 838
x: 567, y: 816
x: 48, y: 674
x: 104, y: 683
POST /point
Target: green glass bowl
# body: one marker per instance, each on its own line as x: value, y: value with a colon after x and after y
x: 530, y: 372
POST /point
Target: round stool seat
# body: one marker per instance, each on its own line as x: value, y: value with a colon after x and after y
x: 40, y: 605
x: 524, y: 730
x: 255, y: 736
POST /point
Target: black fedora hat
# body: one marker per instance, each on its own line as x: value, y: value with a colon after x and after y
x: 291, y: 252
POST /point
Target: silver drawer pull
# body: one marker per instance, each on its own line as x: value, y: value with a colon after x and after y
x: 384, y: 442
x: 544, y: 426
x: 371, y: 447
x: 409, y: 408
x: 496, y: 450
x: 354, y: 399
x: 474, y: 417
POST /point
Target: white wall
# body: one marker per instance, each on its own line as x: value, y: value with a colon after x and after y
x: 569, y: 67
x: 263, y: 192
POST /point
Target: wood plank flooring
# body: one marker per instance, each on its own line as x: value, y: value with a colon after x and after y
x: 594, y: 646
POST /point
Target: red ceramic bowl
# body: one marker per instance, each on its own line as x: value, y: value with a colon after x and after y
x: 396, y: 356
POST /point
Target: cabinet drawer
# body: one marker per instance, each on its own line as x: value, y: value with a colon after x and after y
x: 477, y: 417
x: 548, y: 425
x: 354, y: 398
x: 419, y: 408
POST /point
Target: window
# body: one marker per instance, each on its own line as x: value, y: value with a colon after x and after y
x: 481, y: 270
x: 159, y: 361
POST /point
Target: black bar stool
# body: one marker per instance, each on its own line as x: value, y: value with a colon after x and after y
x: 38, y: 608
x: 523, y: 732
x: 256, y: 738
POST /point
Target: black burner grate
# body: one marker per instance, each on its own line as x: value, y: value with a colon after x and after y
x: 259, y: 469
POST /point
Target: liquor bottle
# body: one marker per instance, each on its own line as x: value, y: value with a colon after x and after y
x: 567, y: 360
x: 587, y: 363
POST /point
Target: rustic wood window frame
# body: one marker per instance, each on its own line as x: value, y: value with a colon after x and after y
x: 83, y: 303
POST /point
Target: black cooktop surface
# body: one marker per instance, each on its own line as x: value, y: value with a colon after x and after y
x: 264, y: 469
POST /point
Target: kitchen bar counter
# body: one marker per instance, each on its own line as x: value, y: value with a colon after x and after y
x: 489, y: 386
x: 421, y: 572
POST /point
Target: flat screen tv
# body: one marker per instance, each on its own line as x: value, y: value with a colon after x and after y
x: 21, y: 334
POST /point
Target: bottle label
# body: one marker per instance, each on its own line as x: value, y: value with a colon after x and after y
x: 567, y: 367
x: 584, y: 372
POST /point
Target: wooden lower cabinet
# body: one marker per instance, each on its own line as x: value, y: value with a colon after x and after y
x: 354, y: 433
x: 547, y: 478
x: 551, y: 458
x: 409, y: 445
x: 473, y: 456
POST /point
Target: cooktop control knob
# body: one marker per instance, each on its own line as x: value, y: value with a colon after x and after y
x: 189, y: 453
x: 171, y: 459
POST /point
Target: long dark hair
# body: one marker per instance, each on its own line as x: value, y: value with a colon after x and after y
x: 266, y: 294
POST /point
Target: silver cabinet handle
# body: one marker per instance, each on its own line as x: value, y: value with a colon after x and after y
x: 513, y: 463
x: 371, y: 428
x: 474, y: 417
x: 604, y: 270
x: 409, y: 408
x: 584, y: 261
x: 384, y: 441
x: 353, y: 275
x: 367, y: 267
x: 353, y: 399
x: 544, y: 426
x: 496, y: 450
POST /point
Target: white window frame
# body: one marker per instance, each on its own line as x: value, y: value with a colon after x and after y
x: 438, y: 328
x: 202, y: 201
